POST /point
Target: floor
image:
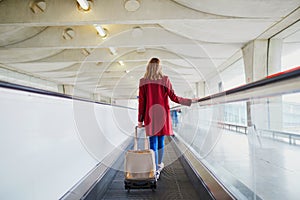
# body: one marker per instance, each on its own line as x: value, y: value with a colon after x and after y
x: 251, y: 167
x: 173, y: 183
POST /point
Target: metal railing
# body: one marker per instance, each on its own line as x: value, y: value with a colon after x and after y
x: 282, y: 136
x: 234, y: 127
x: 292, y: 138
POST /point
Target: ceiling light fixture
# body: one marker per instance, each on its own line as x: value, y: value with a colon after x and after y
x: 132, y: 5
x: 85, y: 52
x: 100, y: 30
x: 68, y: 34
x: 113, y: 50
x: 137, y: 32
x: 84, y: 4
x: 121, y: 63
x: 38, y: 6
x: 141, y: 50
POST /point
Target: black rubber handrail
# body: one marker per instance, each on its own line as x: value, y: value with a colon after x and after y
x: 281, y: 76
x: 23, y: 88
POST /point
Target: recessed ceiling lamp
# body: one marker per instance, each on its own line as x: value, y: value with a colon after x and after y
x: 38, y: 6
x: 121, y: 63
x: 84, y: 4
x: 137, y: 32
x: 132, y: 5
x: 141, y: 50
x: 113, y: 51
x: 68, y: 34
x: 85, y: 52
x: 101, y: 31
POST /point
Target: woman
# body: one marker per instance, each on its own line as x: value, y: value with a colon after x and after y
x: 154, y: 110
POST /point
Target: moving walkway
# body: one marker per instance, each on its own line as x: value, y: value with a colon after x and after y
x: 187, y: 177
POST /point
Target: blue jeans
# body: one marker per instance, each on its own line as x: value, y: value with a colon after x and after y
x: 157, y: 144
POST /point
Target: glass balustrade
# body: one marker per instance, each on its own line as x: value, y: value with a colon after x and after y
x: 251, y: 146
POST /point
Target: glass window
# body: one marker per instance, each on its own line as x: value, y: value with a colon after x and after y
x: 291, y: 113
x: 291, y: 49
x: 231, y: 77
x: 234, y: 75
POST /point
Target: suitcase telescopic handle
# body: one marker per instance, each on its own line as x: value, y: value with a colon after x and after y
x: 146, y: 142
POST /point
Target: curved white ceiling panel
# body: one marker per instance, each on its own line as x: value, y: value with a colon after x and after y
x: 25, y: 55
x: 181, y: 64
x: 221, y: 50
x: 212, y: 51
x: 57, y: 74
x: 220, y: 31
x: 195, y: 40
x: 14, y: 34
x: 40, y: 67
x: 243, y: 8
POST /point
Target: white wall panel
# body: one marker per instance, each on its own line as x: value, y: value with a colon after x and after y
x: 48, y: 144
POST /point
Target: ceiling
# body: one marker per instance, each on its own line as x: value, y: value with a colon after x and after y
x: 56, y: 41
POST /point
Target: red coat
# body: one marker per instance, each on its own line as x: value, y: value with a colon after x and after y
x: 154, y: 107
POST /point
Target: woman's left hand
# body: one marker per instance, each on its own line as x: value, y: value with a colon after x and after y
x: 140, y: 124
x: 194, y: 100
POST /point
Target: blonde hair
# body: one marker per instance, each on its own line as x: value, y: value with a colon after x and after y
x: 153, y: 71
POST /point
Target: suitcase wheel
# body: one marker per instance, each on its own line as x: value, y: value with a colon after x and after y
x: 153, y: 186
x: 139, y: 185
x: 127, y: 188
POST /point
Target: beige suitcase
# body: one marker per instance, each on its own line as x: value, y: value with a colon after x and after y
x: 140, y: 167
